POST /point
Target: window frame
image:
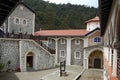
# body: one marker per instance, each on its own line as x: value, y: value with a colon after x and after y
x: 23, y: 21
x: 75, y: 55
x: 50, y: 41
x: 77, y: 41
x: 62, y: 53
x: 62, y: 41
x: 15, y: 22
x: 97, y: 39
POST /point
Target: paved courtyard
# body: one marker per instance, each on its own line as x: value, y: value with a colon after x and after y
x: 51, y: 74
x: 92, y: 74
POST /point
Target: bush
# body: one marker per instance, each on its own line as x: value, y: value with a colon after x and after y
x: 1, y: 66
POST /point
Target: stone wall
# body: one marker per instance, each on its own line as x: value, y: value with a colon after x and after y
x: 16, y: 51
x: 9, y: 51
x: 74, y: 48
x: 42, y: 58
x: 88, y: 51
x: 62, y: 47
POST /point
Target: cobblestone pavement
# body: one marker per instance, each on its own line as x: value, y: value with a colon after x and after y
x: 92, y: 74
x: 72, y: 71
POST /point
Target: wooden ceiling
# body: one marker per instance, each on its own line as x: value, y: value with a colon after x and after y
x: 6, y: 6
x: 104, y: 8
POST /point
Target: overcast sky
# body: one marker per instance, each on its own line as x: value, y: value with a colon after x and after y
x: 82, y: 2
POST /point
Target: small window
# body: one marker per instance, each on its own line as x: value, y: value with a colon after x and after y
x: 24, y: 21
x: 17, y: 20
x: 62, y: 53
x: 77, y: 55
x: 50, y: 41
x: 77, y: 41
x: 62, y: 41
x: 97, y: 39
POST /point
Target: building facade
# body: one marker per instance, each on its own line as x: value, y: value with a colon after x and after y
x: 21, y: 20
x: 77, y: 47
x: 110, y: 28
x: 22, y: 54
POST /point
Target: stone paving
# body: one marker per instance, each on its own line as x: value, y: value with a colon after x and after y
x: 92, y: 74
x: 53, y: 74
x: 72, y: 72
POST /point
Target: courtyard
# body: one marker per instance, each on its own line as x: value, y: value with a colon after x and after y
x: 73, y: 72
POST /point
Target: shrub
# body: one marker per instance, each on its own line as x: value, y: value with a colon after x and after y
x: 1, y: 66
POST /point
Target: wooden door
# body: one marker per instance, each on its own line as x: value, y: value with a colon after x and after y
x: 97, y: 63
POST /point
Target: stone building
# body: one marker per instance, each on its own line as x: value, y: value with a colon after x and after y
x: 23, y: 54
x: 21, y: 20
x: 76, y: 47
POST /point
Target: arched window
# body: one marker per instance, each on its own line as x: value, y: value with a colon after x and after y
x: 24, y: 22
x: 17, y: 20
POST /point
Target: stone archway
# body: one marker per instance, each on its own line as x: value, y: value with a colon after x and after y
x: 95, y: 59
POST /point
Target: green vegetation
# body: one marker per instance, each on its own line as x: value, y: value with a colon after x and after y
x: 1, y: 66
x: 60, y: 16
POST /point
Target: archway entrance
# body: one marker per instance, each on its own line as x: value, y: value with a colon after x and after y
x: 96, y: 59
x: 29, y: 61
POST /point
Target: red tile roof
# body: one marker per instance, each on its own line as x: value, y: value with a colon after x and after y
x: 80, y: 32
x: 95, y: 19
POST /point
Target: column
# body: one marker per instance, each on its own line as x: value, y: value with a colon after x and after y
x: 110, y: 56
x: 114, y: 63
x: 68, y: 56
x: 84, y: 60
x: 56, y: 50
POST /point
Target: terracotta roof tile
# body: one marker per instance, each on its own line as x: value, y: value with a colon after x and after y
x: 80, y: 32
x: 95, y: 19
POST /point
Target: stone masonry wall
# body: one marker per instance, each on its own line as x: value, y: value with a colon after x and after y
x: 9, y: 51
x: 74, y: 48
x: 44, y: 59
x: 16, y: 50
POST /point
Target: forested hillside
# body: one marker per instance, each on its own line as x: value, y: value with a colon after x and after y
x: 60, y: 16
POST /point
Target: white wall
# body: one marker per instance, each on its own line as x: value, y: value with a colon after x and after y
x: 92, y: 25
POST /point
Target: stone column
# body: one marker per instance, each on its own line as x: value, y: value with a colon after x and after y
x: 68, y: 56
x: 84, y: 60
x: 110, y: 57
x: 56, y: 50
x: 114, y: 63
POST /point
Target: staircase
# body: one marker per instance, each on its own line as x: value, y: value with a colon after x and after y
x: 30, y: 36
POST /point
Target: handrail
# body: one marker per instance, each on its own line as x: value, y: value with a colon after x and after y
x: 29, y: 36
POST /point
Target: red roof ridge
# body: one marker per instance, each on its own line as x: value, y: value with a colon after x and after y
x: 95, y: 19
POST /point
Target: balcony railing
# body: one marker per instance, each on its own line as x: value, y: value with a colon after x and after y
x: 30, y: 36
